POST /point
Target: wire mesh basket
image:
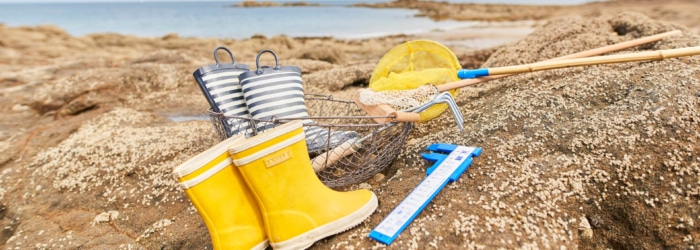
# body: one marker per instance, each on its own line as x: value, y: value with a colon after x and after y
x: 338, y: 163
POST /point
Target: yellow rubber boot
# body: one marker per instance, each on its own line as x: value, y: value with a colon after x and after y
x: 222, y: 198
x: 298, y: 209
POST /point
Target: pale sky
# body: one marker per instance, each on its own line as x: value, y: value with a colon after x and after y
x: 562, y: 2
x: 97, y: 1
x: 60, y: 1
x: 93, y: 1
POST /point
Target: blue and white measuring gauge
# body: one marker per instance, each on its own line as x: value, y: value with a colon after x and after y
x: 447, y: 168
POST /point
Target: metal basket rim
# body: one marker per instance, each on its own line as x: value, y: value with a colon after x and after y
x: 283, y: 120
x: 274, y: 119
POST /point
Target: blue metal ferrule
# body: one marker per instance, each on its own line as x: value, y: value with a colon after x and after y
x: 472, y: 73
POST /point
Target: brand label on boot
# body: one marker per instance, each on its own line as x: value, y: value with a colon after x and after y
x: 278, y: 158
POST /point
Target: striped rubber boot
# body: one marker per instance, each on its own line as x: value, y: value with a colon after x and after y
x: 219, y: 83
x: 277, y: 92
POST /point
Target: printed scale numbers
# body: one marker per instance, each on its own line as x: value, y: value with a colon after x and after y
x: 447, y: 168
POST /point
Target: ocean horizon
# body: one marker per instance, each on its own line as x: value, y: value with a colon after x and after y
x: 218, y: 19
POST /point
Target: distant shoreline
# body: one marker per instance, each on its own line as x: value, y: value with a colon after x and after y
x: 250, y: 4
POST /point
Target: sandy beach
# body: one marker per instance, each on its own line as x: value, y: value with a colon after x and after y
x: 591, y: 157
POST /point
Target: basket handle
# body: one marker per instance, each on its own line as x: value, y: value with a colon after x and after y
x: 347, y: 148
x: 331, y: 157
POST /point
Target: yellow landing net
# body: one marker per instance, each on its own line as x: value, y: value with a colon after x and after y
x: 414, y: 64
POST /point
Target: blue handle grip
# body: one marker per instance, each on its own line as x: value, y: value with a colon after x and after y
x: 472, y: 73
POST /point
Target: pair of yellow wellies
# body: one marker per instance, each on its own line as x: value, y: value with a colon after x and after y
x: 260, y: 191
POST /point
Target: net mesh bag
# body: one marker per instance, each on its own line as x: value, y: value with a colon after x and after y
x: 404, y: 77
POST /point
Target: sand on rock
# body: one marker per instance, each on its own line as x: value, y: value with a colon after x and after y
x: 591, y: 157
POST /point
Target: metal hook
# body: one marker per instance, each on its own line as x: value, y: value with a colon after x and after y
x: 444, y: 97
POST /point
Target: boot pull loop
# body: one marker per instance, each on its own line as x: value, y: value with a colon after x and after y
x: 233, y: 60
x: 257, y: 61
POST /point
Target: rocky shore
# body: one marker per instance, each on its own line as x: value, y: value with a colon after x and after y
x: 590, y: 157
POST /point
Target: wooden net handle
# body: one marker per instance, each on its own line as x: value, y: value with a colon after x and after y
x: 587, y: 53
x: 633, y: 57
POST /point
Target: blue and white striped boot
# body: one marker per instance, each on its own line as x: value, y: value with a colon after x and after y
x: 219, y: 83
x: 277, y: 92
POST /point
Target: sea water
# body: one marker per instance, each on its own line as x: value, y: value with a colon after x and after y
x: 218, y: 19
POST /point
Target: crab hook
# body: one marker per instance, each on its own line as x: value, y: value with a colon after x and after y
x: 444, y: 97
